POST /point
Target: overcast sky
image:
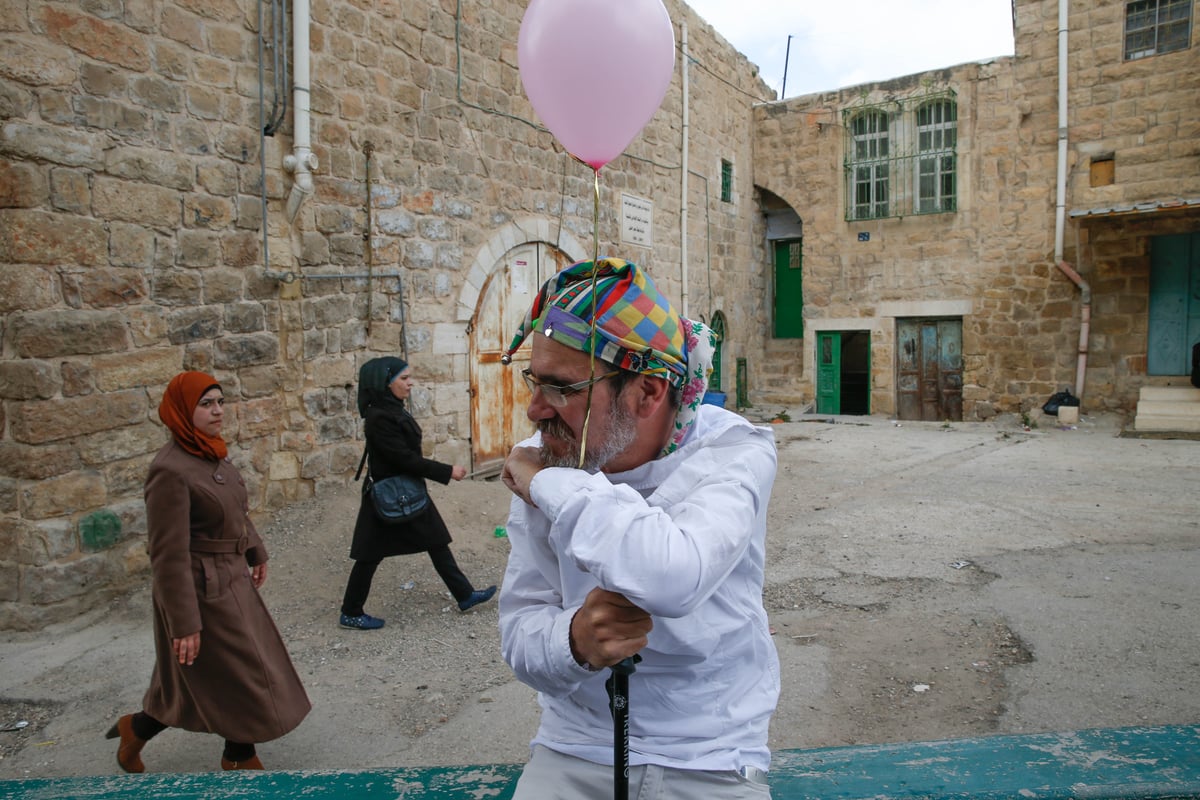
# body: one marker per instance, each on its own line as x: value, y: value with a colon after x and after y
x: 838, y: 43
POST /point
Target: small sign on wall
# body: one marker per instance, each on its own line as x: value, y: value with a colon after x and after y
x: 637, y: 217
x: 864, y: 236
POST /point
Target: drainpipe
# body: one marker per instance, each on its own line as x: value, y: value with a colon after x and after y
x: 1060, y: 206
x: 683, y: 189
x: 302, y: 162
x: 1085, y: 319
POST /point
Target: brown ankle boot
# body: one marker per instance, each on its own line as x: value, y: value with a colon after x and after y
x: 250, y: 763
x: 130, y: 749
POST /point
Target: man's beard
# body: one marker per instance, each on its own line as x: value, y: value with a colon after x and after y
x: 622, y: 431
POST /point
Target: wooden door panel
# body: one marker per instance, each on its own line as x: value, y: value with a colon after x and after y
x: 498, y: 395
x: 929, y: 369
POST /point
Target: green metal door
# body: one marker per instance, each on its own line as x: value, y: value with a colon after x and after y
x: 789, y: 289
x: 718, y: 328
x: 829, y: 372
x: 1174, y: 303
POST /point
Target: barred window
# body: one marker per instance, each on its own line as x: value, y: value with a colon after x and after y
x: 1157, y: 26
x: 937, y: 134
x: 871, y: 167
x: 901, y: 157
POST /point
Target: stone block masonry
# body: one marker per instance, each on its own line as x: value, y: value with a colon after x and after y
x: 134, y: 245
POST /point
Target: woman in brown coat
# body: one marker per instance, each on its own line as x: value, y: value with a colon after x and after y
x: 394, y: 448
x: 220, y: 664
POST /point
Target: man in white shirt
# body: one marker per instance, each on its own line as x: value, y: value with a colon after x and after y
x: 638, y: 526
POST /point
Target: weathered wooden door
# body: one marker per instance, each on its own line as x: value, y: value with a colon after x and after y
x: 1174, y: 325
x: 498, y: 395
x: 829, y: 372
x: 789, y: 289
x: 929, y: 369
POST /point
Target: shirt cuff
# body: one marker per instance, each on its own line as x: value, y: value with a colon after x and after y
x: 552, y: 486
x: 564, y: 645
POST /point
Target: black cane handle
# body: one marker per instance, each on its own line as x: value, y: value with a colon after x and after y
x: 626, y: 666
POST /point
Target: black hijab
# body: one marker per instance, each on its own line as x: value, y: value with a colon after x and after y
x: 374, y: 377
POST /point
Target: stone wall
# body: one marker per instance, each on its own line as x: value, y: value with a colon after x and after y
x: 135, y: 241
x: 992, y: 260
x: 132, y: 246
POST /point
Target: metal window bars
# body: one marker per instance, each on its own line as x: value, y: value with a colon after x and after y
x: 900, y: 156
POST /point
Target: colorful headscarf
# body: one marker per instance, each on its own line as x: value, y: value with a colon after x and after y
x: 374, y: 378
x: 637, y: 329
x: 177, y: 407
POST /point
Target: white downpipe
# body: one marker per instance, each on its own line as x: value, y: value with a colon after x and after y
x: 683, y: 188
x: 302, y: 162
x: 1060, y: 201
x: 1060, y: 207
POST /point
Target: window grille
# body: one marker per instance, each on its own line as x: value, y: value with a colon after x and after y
x: 937, y: 133
x: 1157, y: 26
x: 726, y: 181
x: 901, y: 157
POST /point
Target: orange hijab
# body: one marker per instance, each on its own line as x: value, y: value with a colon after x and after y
x: 179, y: 403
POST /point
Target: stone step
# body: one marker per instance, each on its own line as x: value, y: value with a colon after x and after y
x: 1167, y: 422
x: 1168, y: 408
x: 1171, y: 394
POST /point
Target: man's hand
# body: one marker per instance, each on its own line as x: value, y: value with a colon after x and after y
x: 607, y: 629
x: 258, y: 575
x: 458, y: 472
x: 519, y: 468
x: 187, y: 648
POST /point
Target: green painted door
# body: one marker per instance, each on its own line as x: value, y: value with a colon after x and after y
x: 1174, y: 303
x: 789, y: 289
x: 718, y: 329
x: 829, y: 372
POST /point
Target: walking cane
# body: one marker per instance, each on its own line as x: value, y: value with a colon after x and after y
x: 618, y: 703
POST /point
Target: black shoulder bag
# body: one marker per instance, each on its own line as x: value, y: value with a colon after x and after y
x: 397, y: 499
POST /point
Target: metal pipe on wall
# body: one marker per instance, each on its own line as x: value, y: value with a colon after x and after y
x: 302, y: 162
x: 1060, y: 203
x: 683, y: 189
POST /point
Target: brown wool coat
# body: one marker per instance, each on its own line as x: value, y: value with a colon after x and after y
x: 394, y: 448
x: 242, y: 686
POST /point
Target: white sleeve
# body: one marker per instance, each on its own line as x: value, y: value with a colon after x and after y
x: 534, y: 624
x: 669, y: 552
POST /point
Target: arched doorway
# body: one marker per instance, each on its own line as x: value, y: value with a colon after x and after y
x: 498, y: 395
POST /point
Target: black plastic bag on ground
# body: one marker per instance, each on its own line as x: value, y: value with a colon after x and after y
x: 1063, y: 398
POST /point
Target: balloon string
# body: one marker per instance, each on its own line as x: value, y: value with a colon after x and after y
x: 587, y: 417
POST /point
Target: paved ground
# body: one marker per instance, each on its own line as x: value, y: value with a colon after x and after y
x: 926, y: 581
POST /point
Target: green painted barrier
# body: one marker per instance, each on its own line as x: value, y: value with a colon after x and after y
x: 1162, y: 763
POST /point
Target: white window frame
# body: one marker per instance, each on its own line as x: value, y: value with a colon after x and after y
x: 870, y: 165
x: 1153, y: 27
x: 937, y: 137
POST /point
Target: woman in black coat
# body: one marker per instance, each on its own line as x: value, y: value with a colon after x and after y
x: 394, y: 448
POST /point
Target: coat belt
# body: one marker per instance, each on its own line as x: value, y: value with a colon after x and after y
x: 201, y: 545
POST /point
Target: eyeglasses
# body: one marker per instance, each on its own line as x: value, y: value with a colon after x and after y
x: 557, y: 396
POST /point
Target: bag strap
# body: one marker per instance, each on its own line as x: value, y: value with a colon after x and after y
x: 358, y: 473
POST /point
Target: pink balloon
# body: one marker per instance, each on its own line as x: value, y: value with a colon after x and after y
x: 596, y: 70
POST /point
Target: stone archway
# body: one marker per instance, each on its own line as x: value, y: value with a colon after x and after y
x: 499, y: 289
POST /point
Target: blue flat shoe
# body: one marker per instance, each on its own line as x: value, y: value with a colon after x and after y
x: 363, y: 622
x: 476, y: 597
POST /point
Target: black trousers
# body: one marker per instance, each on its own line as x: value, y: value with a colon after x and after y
x: 146, y: 727
x: 363, y: 572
